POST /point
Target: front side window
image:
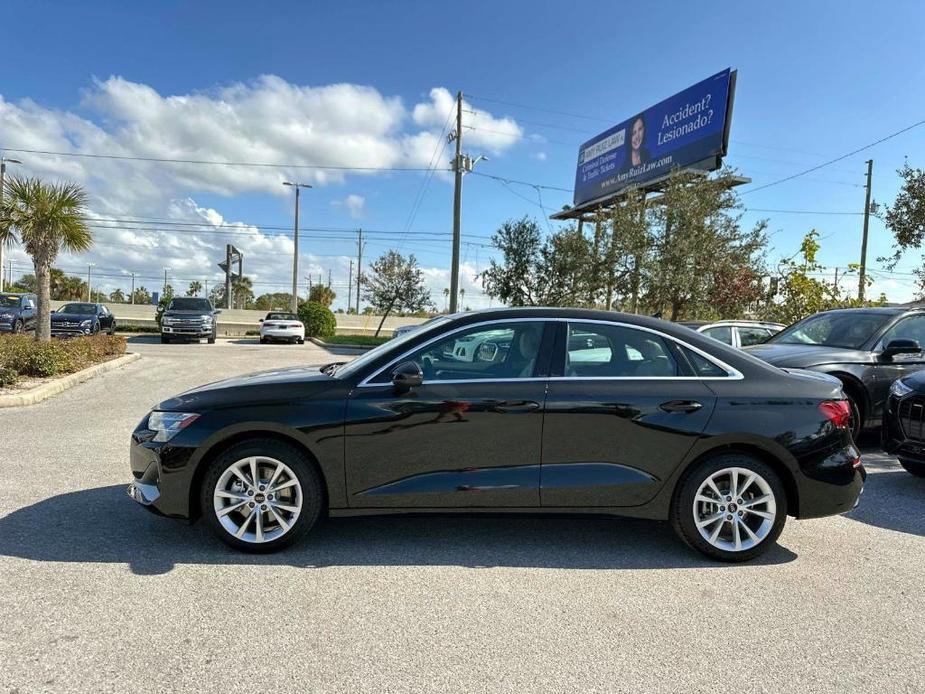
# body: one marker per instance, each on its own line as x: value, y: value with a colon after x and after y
x: 912, y: 328
x: 497, y: 351
x: 616, y: 351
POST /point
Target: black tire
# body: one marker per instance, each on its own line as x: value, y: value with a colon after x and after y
x: 682, y: 507
x: 112, y: 328
x: 263, y: 340
x: 164, y: 339
x: 913, y: 467
x: 301, y: 340
x: 17, y: 327
x: 297, y: 460
x: 856, y: 417
x: 212, y: 339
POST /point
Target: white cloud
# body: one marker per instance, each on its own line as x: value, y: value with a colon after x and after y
x: 539, y: 156
x: 267, y: 120
x: 353, y: 203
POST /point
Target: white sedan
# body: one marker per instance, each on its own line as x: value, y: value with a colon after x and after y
x: 283, y: 327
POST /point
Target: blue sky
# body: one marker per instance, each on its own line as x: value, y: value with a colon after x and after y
x: 816, y: 80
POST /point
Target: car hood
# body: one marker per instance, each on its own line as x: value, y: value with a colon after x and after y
x: 56, y: 317
x: 262, y: 387
x: 806, y: 356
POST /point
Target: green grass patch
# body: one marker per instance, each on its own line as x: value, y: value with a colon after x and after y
x: 363, y: 340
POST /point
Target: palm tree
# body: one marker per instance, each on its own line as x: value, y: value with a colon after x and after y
x: 194, y: 288
x: 46, y: 219
x: 117, y: 296
x: 446, y: 297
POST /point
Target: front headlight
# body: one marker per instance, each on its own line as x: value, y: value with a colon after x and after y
x: 168, y: 424
x: 206, y: 319
x: 900, y: 389
x: 85, y: 323
x: 166, y: 320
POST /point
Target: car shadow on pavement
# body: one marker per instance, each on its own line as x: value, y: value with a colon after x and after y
x: 892, y: 498
x: 103, y: 525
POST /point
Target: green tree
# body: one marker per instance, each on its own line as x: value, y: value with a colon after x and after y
x: 322, y: 294
x: 141, y: 296
x: 194, y: 288
x: 514, y: 280
x: 46, y: 219
x: 273, y: 300
x: 117, y: 296
x: 905, y: 219
x: 696, y: 235
x: 565, y: 269
x: 395, y: 282
x: 317, y: 319
x: 242, y: 292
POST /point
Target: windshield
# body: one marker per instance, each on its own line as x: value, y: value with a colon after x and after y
x: 189, y: 304
x: 282, y: 316
x: 372, y: 355
x: 846, y: 330
x: 9, y: 301
x: 78, y: 308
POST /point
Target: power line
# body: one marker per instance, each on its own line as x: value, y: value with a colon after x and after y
x: 837, y: 159
x: 523, y: 183
x: 164, y: 160
x: 536, y: 108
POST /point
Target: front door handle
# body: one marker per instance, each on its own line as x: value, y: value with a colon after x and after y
x: 681, y: 406
x: 516, y: 407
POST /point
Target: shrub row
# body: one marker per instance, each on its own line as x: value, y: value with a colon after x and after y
x: 21, y: 355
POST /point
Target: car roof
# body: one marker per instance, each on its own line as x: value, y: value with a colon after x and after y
x: 877, y: 310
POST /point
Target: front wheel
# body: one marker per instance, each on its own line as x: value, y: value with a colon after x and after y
x: 164, y: 339
x: 913, y: 467
x: 261, y: 495
x: 17, y: 327
x: 731, y: 507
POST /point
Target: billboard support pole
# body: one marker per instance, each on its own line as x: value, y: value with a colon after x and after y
x: 457, y: 206
x: 637, y: 256
x: 862, y: 275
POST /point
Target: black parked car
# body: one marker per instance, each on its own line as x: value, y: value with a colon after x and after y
x: 17, y: 312
x: 189, y: 317
x: 82, y: 319
x: 865, y: 348
x: 904, y: 422
x: 587, y: 411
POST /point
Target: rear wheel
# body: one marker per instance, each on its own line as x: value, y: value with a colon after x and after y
x: 913, y: 467
x: 261, y: 495
x: 263, y: 340
x: 731, y: 507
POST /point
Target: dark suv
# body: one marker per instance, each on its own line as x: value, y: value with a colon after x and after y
x: 189, y: 317
x: 17, y: 312
x: 865, y: 348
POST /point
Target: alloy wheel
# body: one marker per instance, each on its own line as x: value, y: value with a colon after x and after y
x: 257, y: 499
x: 734, y: 509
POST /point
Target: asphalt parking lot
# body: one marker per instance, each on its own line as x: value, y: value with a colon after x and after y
x: 98, y: 595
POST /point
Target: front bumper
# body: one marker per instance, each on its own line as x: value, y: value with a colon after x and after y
x: 187, y: 330
x: 59, y: 331
x: 6, y: 327
x: 162, y: 473
x: 894, y: 438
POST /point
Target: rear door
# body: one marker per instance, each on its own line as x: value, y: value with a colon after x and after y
x: 623, y: 408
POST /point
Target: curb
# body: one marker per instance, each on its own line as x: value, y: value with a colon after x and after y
x: 335, y: 345
x: 46, y: 390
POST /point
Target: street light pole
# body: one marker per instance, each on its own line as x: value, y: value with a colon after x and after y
x: 89, y: 286
x: 3, y: 163
x: 164, y: 290
x: 294, y: 305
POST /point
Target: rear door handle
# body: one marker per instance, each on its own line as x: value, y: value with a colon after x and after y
x: 681, y: 406
x: 516, y: 407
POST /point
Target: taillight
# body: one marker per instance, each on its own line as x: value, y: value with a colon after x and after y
x: 837, y: 411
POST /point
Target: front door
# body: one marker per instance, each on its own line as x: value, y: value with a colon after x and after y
x: 623, y: 408
x: 469, y: 436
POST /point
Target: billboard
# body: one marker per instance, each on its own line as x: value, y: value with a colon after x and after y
x: 684, y: 129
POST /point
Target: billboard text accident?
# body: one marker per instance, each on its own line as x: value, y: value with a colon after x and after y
x: 688, y: 128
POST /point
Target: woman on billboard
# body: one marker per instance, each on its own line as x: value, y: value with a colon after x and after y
x: 638, y: 154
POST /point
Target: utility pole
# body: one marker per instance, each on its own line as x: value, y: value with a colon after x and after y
x: 3, y: 163
x: 359, y: 265
x: 207, y: 289
x: 89, y: 291
x: 457, y: 206
x: 329, y: 278
x: 350, y: 286
x: 133, y: 289
x: 836, y: 280
x: 294, y: 305
x: 164, y: 291
x: 862, y: 278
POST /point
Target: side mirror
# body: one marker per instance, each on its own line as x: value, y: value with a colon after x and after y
x: 406, y: 376
x: 901, y: 346
x: 216, y: 310
x: 260, y: 320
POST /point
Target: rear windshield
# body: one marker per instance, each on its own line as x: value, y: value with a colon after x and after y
x: 189, y: 303
x: 9, y: 301
x: 282, y: 316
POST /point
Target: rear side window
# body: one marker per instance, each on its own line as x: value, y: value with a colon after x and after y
x: 753, y: 336
x: 703, y: 366
x: 614, y: 351
x: 722, y: 333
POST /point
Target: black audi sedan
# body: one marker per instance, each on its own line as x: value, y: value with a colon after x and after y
x: 581, y: 412
x: 904, y: 423
x: 864, y: 348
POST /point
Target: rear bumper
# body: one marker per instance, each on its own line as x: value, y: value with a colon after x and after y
x: 283, y: 334
x: 831, y: 484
